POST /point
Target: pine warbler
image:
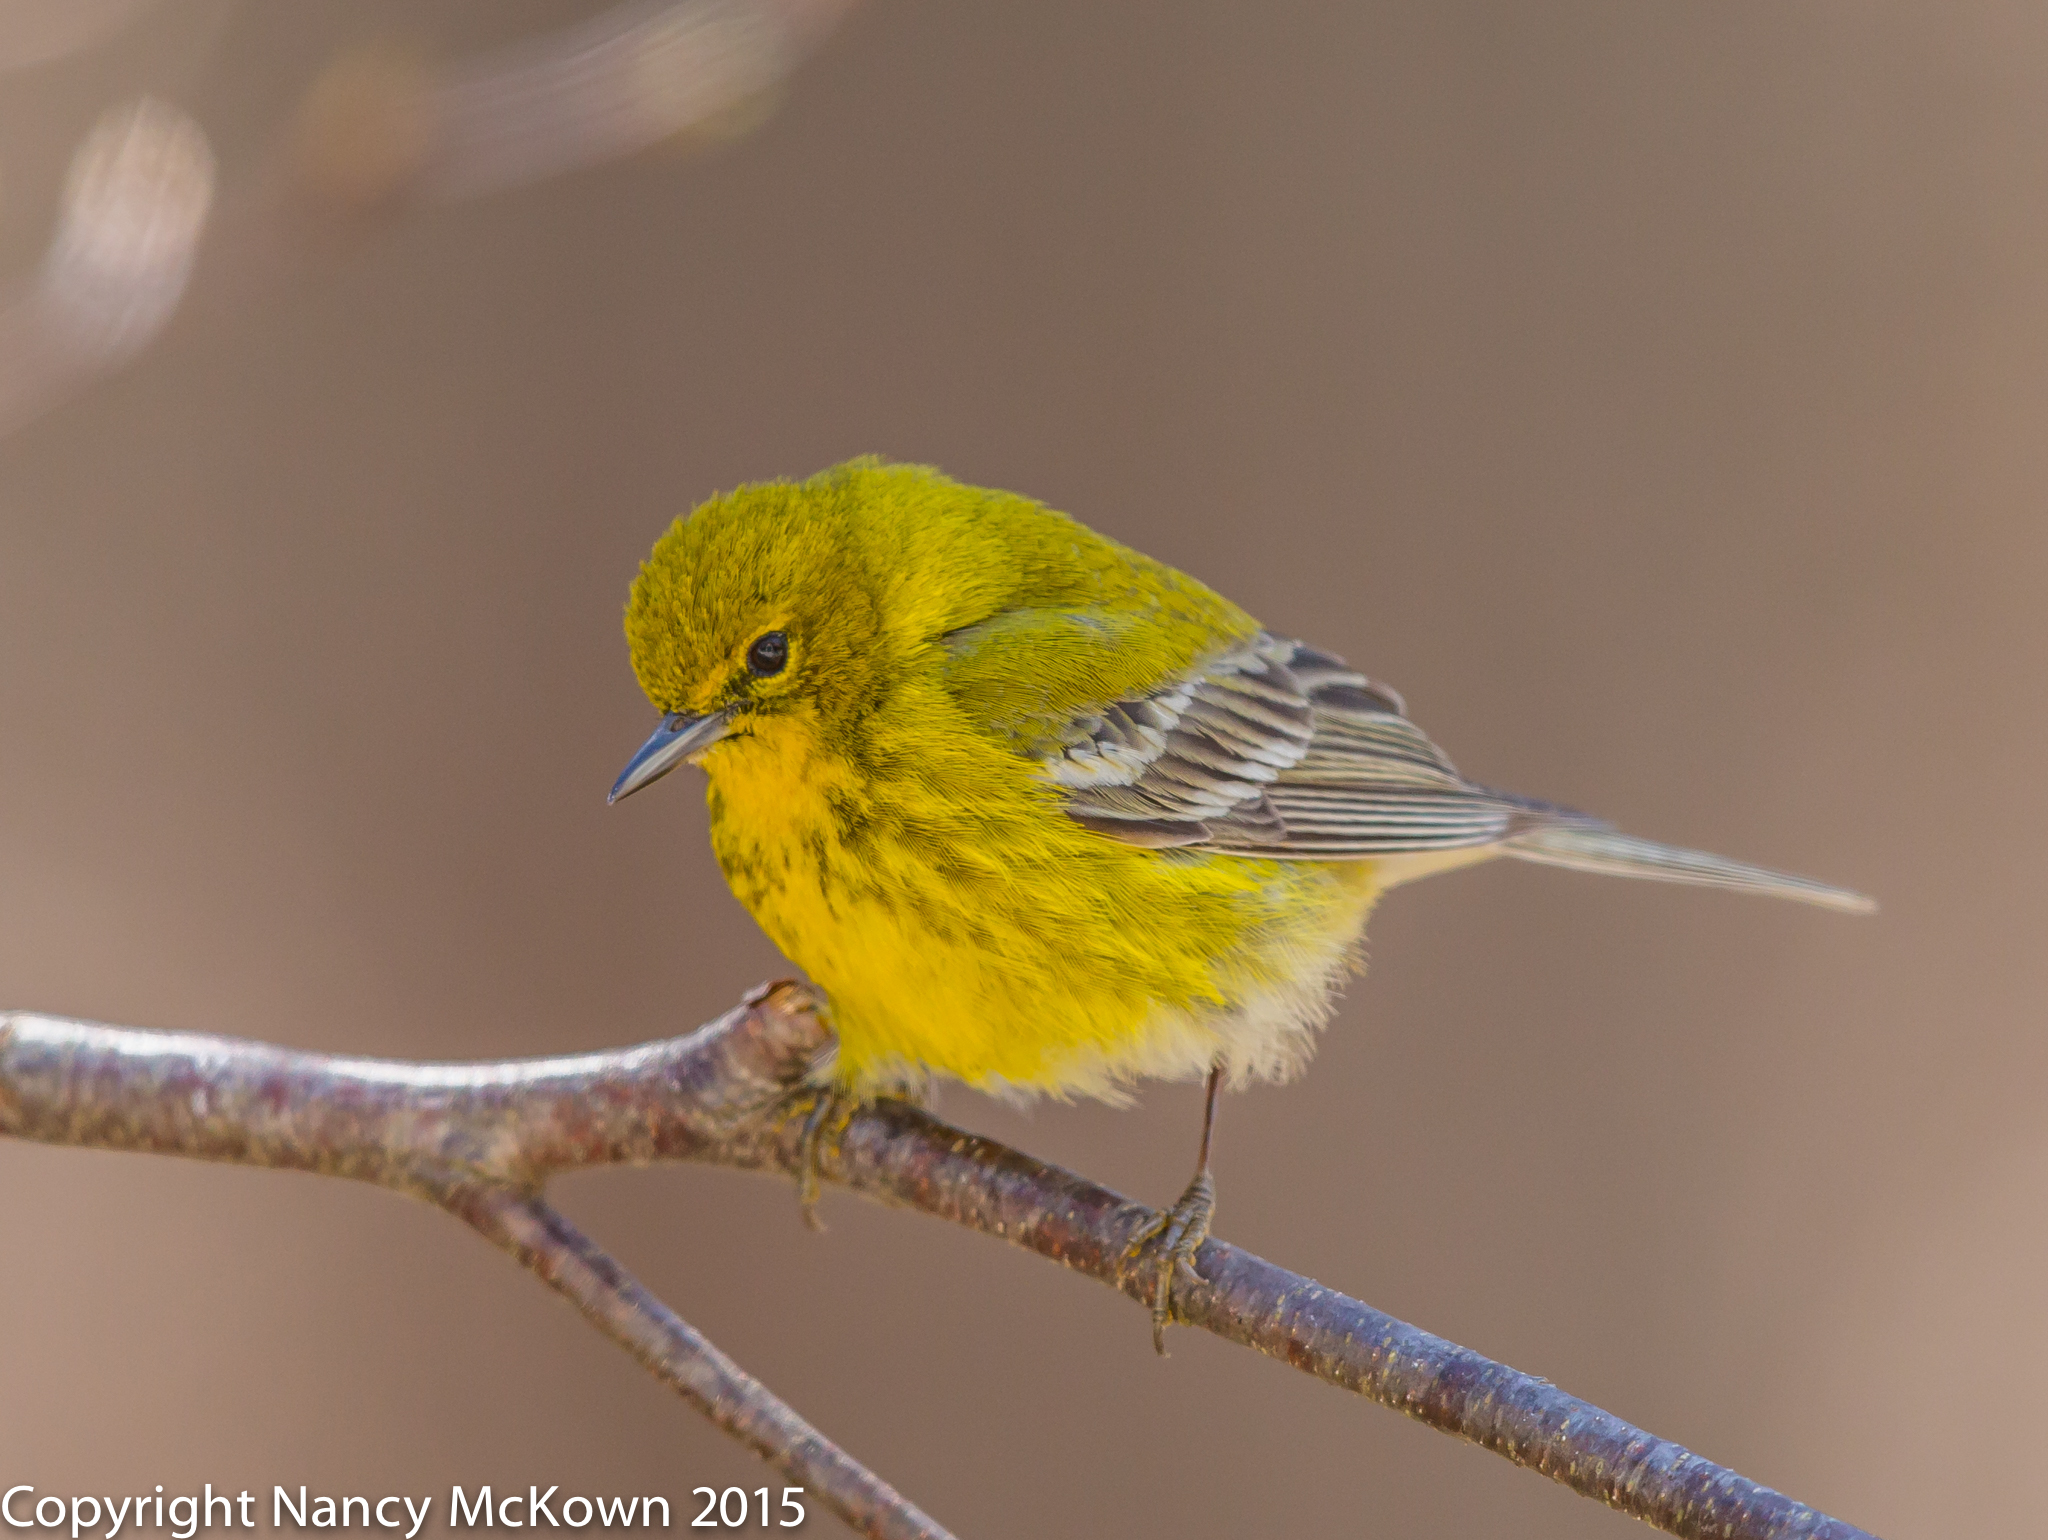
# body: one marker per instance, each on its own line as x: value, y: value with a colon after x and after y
x: 1044, y: 815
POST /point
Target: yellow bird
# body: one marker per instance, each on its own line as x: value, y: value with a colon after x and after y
x: 1041, y: 814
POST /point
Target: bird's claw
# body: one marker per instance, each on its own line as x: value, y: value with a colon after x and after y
x: 1174, y: 1235
x: 830, y: 1111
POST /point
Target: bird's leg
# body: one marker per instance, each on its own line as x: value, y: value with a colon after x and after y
x: 1179, y: 1231
x: 830, y: 1112
x: 826, y: 1108
x: 831, y: 1109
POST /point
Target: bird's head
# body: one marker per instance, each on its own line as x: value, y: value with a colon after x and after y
x: 785, y: 616
x: 754, y: 616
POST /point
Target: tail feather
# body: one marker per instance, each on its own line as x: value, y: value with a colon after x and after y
x: 1620, y: 855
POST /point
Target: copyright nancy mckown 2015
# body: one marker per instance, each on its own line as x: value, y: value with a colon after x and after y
x: 183, y: 1515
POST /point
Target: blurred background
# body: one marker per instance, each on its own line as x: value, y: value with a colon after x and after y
x: 1653, y: 392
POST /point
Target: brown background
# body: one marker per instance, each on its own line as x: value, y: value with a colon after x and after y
x: 1654, y: 392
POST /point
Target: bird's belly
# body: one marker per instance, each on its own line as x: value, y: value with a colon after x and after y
x: 1068, y: 974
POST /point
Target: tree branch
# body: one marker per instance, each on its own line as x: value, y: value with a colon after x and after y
x: 613, y: 1301
x: 480, y: 1139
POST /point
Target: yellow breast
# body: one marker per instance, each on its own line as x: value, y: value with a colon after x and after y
x: 961, y: 924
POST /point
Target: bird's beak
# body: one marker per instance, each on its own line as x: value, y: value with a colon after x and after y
x: 677, y: 738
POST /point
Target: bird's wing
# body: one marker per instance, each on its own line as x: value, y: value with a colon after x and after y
x: 1273, y: 749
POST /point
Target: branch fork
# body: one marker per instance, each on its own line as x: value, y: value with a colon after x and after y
x: 482, y: 1140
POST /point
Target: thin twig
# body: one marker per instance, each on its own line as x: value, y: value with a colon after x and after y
x: 480, y: 1138
x: 616, y: 1303
x: 472, y: 1139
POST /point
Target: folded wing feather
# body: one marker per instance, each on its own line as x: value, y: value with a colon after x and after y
x: 1274, y: 749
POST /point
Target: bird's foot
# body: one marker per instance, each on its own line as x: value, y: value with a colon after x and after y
x: 830, y: 1111
x: 816, y: 1096
x: 1172, y: 1237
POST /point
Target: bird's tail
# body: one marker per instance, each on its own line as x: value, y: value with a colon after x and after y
x: 1620, y: 855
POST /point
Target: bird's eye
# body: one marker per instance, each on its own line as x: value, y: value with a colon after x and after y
x: 768, y: 655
